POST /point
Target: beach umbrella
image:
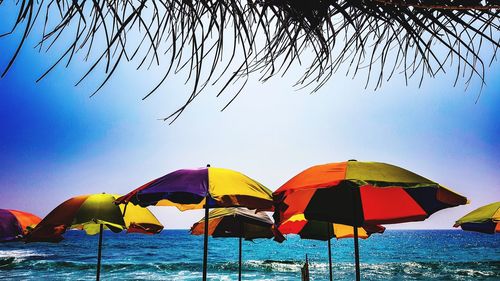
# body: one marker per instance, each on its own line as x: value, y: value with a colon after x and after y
x: 206, y: 188
x: 325, y: 231
x: 239, y: 222
x: 94, y: 213
x: 361, y: 193
x: 484, y: 219
x: 14, y: 225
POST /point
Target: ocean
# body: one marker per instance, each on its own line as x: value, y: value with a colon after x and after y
x: 176, y: 255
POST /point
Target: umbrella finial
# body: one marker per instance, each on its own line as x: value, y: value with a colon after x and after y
x: 352, y: 160
x: 208, y: 165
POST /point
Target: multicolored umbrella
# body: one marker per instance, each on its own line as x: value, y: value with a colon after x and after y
x: 236, y: 222
x: 240, y: 223
x: 189, y: 189
x: 321, y: 230
x: 361, y: 193
x: 325, y: 231
x: 14, y: 225
x: 202, y: 188
x: 94, y: 213
x: 485, y: 219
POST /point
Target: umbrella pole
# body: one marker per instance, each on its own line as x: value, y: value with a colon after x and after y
x: 330, y: 259
x: 239, y: 268
x: 328, y: 225
x: 356, y: 252
x: 241, y: 233
x: 99, y: 253
x: 205, y: 242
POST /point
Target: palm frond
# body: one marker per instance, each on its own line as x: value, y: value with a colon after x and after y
x: 376, y: 39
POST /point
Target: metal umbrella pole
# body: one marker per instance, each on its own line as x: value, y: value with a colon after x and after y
x: 356, y: 253
x: 99, y: 253
x: 205, y: 241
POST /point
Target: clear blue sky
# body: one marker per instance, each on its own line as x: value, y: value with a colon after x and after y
x: 56, y: 142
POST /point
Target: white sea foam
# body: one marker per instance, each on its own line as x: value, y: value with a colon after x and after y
x: 474, y: 273
x: 274, y: 265
x: 20, y: 255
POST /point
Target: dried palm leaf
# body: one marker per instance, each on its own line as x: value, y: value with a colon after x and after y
x: 373, y: 38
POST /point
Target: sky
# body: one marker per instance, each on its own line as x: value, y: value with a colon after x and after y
x: 57, y: 142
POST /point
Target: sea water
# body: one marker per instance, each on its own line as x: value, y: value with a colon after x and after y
x: 177, y: 255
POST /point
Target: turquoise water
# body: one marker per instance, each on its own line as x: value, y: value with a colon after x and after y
x: 176, y: 255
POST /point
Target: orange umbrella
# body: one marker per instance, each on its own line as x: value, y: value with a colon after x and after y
x: 361, y: 193
x: 15, y: 224
x: 94, y: 213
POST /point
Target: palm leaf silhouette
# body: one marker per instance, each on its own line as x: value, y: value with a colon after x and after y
x: 373, y: 38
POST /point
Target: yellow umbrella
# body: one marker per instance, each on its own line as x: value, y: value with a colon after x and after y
x: 94, y: 213
x: 325, y: 231
x: 485, y: 219
x: 202, y: 188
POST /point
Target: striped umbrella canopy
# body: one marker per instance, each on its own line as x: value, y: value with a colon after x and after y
x: 236, y: 222
x: 362, y: 193
x: 239, y: 222
x: 94, y: 213
x: 189, y: 189
x: 485, y: 219
x: 14, y: 224
x: 325, y: 231
x: 205, y: 188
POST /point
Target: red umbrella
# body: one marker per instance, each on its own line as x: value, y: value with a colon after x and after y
x: 15, y: 224
x: 361, y: 193
x: 325, y: 231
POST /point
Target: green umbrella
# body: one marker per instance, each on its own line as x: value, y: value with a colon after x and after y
x: 94, y: 213
x: 485, y: 219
